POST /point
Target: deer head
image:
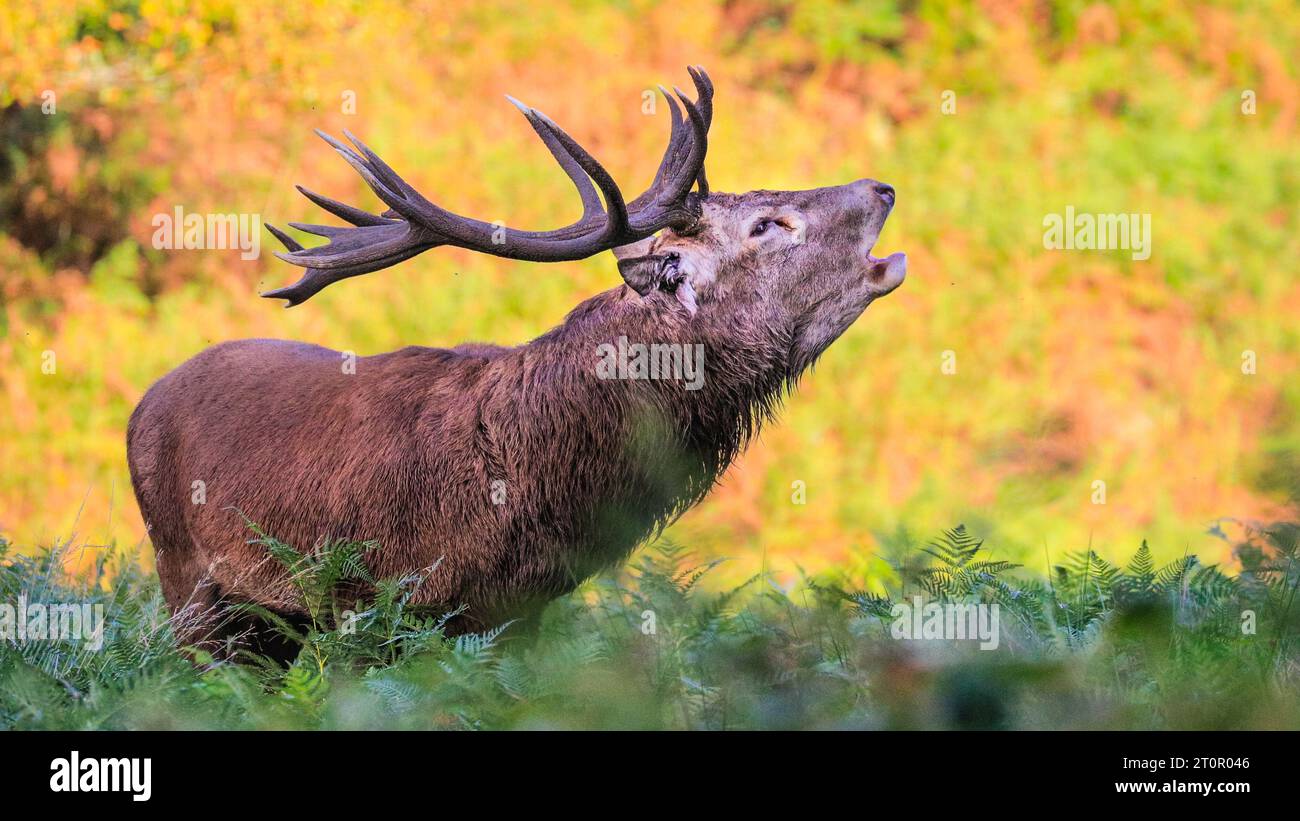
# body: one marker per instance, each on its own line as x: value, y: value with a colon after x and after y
x: 799, y: 260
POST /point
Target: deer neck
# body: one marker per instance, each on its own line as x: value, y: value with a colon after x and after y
x: 668, y: 405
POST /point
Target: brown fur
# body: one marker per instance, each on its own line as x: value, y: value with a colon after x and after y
x: 405, y: 450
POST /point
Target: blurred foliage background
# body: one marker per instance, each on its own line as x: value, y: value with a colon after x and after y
x: 1071, y: 367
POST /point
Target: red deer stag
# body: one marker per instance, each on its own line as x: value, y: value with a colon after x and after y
x: 518, y: 471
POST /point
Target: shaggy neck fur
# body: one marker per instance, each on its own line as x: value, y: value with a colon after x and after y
x: 631, y: 455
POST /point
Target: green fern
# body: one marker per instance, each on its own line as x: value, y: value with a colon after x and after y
x: 655, y: 646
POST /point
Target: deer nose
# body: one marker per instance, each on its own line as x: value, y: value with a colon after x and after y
x: 873, y: 190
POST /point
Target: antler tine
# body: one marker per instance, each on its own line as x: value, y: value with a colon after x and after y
x: 704, y: 100
x: 679, y: 144
x: 403, y: 199
x: 615, y: 208
x: 395, y: 199
x: 319, y: 230
x: 676, y: 135
x: 342, y: 210
x: 698, y: 148
x: 703, y: 91
x: 286, y: 240
x: 360, y: 251
x: 683, y: 161
x: 413, y: 224
x: 586, y: 191
x: 381, y: 169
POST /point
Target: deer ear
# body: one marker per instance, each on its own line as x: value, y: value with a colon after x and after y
x: 662, y: 272
x: 640, y: 268
x: 644, y: 274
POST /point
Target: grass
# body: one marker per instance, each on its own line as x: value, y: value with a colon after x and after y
x: 1092, y: 645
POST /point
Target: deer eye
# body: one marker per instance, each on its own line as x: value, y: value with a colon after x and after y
x: 761, y: 227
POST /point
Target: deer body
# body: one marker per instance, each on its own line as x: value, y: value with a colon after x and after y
x: 520, y: 471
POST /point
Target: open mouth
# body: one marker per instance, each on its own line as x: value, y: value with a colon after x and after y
x: 887, y: 273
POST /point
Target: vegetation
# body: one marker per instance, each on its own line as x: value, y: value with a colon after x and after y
x: 1092, y: 646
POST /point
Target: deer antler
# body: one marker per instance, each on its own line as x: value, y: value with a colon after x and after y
x: 413, y: 224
